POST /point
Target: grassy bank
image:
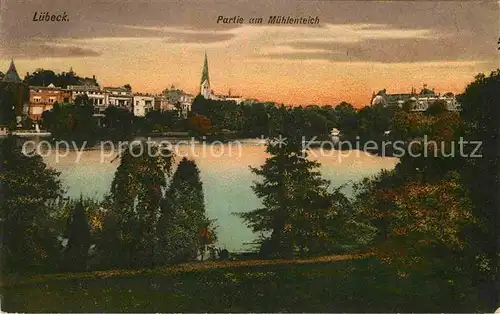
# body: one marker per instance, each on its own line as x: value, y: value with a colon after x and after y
x: 330, y: 284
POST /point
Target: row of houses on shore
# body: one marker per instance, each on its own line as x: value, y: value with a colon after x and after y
x: 43, y: 98
x: 32, y: 101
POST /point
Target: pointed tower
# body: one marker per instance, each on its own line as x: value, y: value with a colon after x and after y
x: 205, y: 80
x: 11, y: 76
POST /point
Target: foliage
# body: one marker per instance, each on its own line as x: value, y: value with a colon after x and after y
x: 437, y: 152
x: 436, y: 108
x: 347, y: 117
x: 71, y: 121
x: 78, y: 233
x: 118, y: 123
x: 428, y: 223
x: 184, y: 230
x: 162, y: 121
x: 479, y: 113
x: 28, y: 187
x: 407, y: 126
x: 199, y: 124
x: 374, y: 120
x: 11, y: 95
x: 43, y: 77
x: 298, y: 214
x: 420, y: 225
x: 136, y: 194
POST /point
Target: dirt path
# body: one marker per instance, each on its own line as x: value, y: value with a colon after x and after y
x: 174, y: 269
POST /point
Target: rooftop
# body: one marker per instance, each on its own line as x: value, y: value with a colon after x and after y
x: 11, y: 76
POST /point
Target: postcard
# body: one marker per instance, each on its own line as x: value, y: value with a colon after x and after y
x: 249, y: 156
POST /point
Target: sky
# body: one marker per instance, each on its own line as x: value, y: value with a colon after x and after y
x: 359, y: 47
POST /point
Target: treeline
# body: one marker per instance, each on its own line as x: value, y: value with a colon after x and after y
x: 262, y: 119
x: 148, y: 218
x: 245, y: 120
x: 42, y: 77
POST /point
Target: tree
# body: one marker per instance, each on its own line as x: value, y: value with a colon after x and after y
x: 79, y: 240
x: 71, y: 121
x: 28, y: 187
x: 7, y: 103
x: 184, y: 230
x: 407, y: 106
x: 200, y: 105
x: 255, y: 120
x: 423, y: 224
x: 479, y: 113
x: 315, y: 124
x: 118, y: 123
x: 436, y: 108
x: 43, y: 77
x: 347, y: 117
x: 136, y: 194
x: 375, y: 196
x: 297, y: 208
x: 199, y: 124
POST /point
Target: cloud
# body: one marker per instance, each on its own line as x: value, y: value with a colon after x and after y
x: 369, y: 42
x: 349, y: 30
x: 35, y: 50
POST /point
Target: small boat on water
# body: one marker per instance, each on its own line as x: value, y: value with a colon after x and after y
x: 23, y: 133
x: 254, y: 141
x: 30, y: 133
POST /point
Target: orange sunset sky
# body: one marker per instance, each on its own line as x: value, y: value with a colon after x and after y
x: 357, y: 48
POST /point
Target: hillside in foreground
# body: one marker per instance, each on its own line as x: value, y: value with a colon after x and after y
x: 326, y: 284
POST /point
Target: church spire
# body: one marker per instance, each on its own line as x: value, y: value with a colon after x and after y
x: 11, y: 76
x: 204, y: 74
x: 205, y: 80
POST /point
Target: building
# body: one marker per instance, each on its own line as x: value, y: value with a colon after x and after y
x: 185, y: 101
x: 11, y: 75
x: 143, y: 104
x: 43, y: 98
x: 205, y: 90
x: 14, y: 98
x: 119, y: 97
x: 98, y: 97
x: 237, y: 99
x: 417, y: 101
x: 161, y: 103
x: 174, y: 99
